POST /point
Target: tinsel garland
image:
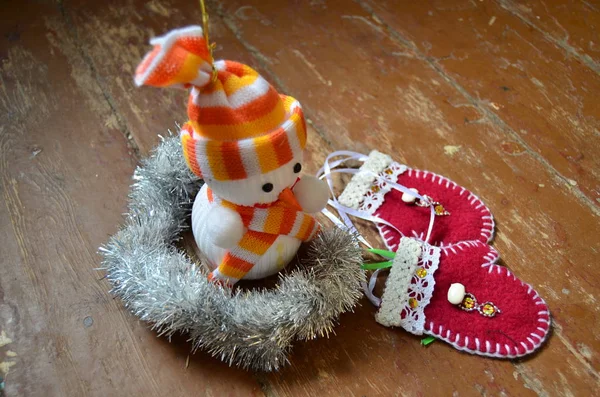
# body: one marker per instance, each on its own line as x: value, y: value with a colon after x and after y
x: 160, y: 284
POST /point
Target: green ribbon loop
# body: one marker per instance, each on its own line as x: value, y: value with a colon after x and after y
x: 384, y: 253
x: 375, y: 266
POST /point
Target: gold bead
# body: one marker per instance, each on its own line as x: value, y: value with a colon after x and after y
x: 413, y: 303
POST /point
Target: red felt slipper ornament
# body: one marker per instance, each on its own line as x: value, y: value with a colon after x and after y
x: 443, y: 277
x: 460, y: 215
x: 497, y: 314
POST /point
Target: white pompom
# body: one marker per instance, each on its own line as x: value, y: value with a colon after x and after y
x: 224, y: 227
x: 456, y: 293
x: 312, y: 194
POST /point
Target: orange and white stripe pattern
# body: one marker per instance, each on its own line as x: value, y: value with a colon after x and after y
x: 264, y: 225
x: 238, y: 125
x: 179, y: 59
x: 239, y: 104
x: 277, y: 219
x: 239, y: 159
x: 240, y: 260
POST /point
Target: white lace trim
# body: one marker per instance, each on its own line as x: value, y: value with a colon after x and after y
x: 421, y: 290
x: 360, y: 183
x: 374, y: 195
x: 409, y: 286
x: 395, y: 294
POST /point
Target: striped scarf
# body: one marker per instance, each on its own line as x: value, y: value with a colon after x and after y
x: 264, y: 224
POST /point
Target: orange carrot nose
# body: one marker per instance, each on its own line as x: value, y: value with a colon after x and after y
x: 288, y: 197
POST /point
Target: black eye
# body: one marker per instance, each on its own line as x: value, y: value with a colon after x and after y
x: 297, y: 168
x: 267, y: 187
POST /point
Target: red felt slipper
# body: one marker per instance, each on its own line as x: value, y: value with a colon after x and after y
x: 443, y: 280
x: 496, y: 314
x: 460, y: 215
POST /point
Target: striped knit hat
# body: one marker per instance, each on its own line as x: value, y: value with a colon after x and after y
x: 239, y: 125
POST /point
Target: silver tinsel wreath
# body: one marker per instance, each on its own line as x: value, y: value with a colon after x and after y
x: 161, y: 285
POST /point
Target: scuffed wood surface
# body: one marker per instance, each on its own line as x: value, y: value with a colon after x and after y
x: 541, y: 94
x: 65, y: 169
x: 486, y: 93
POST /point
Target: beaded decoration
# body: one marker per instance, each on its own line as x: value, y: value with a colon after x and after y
x: 487, y: 309
x: 419, y: 213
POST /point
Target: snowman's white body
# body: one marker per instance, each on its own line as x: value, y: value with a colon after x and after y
x: 218, y: 230
x: 281, y: 253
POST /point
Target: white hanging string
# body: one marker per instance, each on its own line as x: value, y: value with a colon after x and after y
x: 327, y: 170
x: 336, y: 221
x: 344, y: 212
x: 368, y: 289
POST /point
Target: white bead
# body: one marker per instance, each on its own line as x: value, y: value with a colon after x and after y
x: 456, y: 293
x: 409, y: 198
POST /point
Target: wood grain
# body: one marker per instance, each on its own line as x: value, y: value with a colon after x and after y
x: 574, y: 26
x: 540, y: 94
x: 394, y: 90
x: 65, y: 169
x: 505, y: 108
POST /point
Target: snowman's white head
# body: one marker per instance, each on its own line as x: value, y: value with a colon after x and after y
x: 261, y: 188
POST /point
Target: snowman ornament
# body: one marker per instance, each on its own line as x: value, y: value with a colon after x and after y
x: 246, y: 141
x: 232, y: 233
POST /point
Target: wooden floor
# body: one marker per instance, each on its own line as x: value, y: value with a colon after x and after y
x: 500, y: 96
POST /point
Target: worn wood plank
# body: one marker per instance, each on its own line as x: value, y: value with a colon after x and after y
x: 316, y: 153
x: 65, y: 168
x: 368, y: 89
x: 109, y: 64
x: 126, y: 27
x: 572, y: 25
x: 363, y: 88
x: 540, y: 95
